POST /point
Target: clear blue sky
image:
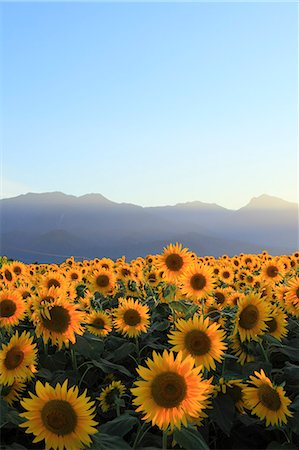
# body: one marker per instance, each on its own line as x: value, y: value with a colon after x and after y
x: 151, y: 103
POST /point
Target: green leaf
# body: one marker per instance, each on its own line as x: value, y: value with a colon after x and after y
x: 277, y: 446
x: 88, y: 347
x: 223, y: 412
x: 123, y: 351
x: 190, y: 439
x: 108, y: 367
x: 103, y: 441
x: 120, y: 425
x: 295, y: 404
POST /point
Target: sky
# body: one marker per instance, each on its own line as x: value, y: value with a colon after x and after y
x: 150, y: 103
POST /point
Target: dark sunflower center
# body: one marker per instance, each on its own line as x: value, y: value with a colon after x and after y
x: 25, y: 295
x: 98, y: 323
x: 272, y: 271
x: 235, y: 392
x: 249, y: 279
x: 60, y: 319
x: 102, y: 281
x: 269, y: 397
x: 168, y: 389
x: 152, y: 278
x: 132, y: 317
x: 111, y: 396
x: 297, y: 293
x: 198, y: 282
x: 197, y: 342
x: 74, y: 276
x: 7, y: 308
x: 220, y: 298
x: 47, y: 299
x: 105, y: 266
x: 53, y: 282
x: 174, y: 262
x: 248, y: 260
x: 226, y: 274
x: 8, y: 275
x: 14, y: 358
x: 17, y: 270
x: 125, y: 272
x: 59, y: 417
x: 272, y: 324
x: 249, y: 317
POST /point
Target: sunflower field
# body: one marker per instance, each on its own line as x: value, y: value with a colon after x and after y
x: 169, y: 351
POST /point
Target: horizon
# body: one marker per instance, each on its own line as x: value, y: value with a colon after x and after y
x: 151, y: 103
x: 258, y: 197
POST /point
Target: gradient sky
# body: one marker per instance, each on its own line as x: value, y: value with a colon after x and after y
x: 151, y: 103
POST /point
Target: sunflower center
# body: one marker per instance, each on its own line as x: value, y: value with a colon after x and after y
x: 125, y: 272
x: 17, y: 270
x: 7, y: 308
x: 226, y: 274
x: 235, y: 392
x: 74, y: 276
x: 272, y: 324
x: 59, y: 417
x: 174, y: 262
x: 249, y: 317
x: 14, y: 358
x: 152, y: 278
x: 132, y: 317
x: 197, y: 342
x: 272, y: 271
x: 269, y: 397
x: 198, y: 282
x: 102, y: 280
x: 220, y: 298
x: 168, y: 389
x: 297, y: 293
x: 53, y: 282
x: 99, y: 323
x: 60, y: 319
x: 8, y: 275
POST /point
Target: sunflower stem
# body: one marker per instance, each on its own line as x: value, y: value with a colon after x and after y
x: 263, y: 351
x: 140, y: 434
x: 74, y: 359
x: 137, y: 349
x: 164, y: 440
x: 46, y: 348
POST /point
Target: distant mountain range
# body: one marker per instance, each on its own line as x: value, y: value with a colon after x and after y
x: 49, y: 227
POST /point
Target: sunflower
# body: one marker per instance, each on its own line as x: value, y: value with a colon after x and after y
x: 52, y: 279
x: 12, y: 393
x: 197, y: 282
x: 200, y: 338
x: 131, y: 317
x: 241, y: 350
x: 8, y: 274
x: 226, y: 274
x: 171, y: 389
x: 292, y: 296
x: 110, y: 393
x: 18, y: 268
x: 18, y: 359
x: 221, y: 295
x: 12, y: 308
x: 59, y: 416
x: 253, y: 313
x: 173, y: 262
x: 272, y: 271
x: 235, y: 390
x: 59, y: 321
x: 99, y: 323
x: 102, y: 281
x: 266, y: 400
x: 277, y: 324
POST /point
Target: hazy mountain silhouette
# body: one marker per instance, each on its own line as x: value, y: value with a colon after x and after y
x: 49, y: 227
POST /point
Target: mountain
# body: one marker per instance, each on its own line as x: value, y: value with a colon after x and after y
x: 49, y: 227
